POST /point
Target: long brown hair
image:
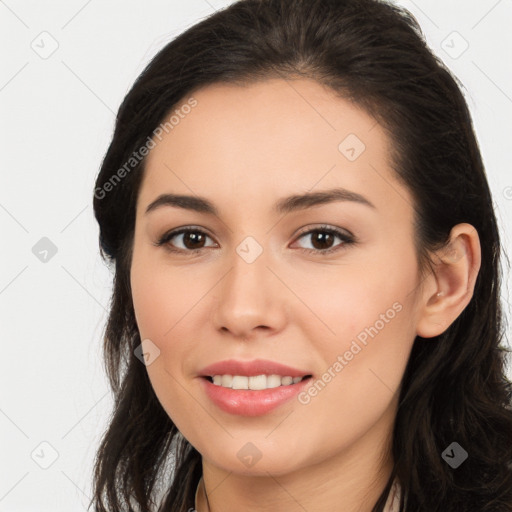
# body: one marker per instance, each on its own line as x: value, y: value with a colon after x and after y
x: 454, y: 387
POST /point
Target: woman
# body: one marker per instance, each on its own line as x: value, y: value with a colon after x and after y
x: 305, y: 312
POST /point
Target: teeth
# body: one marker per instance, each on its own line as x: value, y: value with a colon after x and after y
x: 257, y: 382
x: 240, y: 382
x: 227, y: 380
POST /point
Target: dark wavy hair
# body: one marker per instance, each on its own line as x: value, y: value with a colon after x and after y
x: 454, y: 387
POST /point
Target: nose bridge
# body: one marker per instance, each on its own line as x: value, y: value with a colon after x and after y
x: 248, y: 280
x: 248, y: 296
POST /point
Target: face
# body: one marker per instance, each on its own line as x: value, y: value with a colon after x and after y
x: 326, y: 285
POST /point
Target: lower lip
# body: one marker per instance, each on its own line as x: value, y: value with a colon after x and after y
x: 246, y: 402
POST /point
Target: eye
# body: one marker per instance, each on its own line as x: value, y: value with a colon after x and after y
x: 192, y: 240
x: 323, y: 237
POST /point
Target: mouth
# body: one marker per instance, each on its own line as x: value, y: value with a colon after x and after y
x: 254, y: 382
x: 252, y: 388
x: 252, y: 395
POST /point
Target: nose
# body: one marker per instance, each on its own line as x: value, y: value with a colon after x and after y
x: 250, y: 299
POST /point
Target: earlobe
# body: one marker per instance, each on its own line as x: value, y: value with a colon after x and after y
x: 454, y: 271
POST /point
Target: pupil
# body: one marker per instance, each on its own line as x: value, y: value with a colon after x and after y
x: 323, y: 238
x: 193, y: 238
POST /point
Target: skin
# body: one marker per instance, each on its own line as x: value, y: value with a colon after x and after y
x: 244, y: 148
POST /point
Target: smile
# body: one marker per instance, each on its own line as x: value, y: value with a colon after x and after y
x: 255, y: 383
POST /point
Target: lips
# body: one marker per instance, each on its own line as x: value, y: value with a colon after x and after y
x: 252, y: 368
x: 242, y: 402
x: 249, y: 402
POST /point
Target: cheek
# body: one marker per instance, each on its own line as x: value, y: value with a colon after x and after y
x: 159, y: 300
x: 160, y: 296
x: 346, y: 300
x: 161, y: 303
x: 154, y: 305
x: 164, y: 300
x: 365, y: 313
x: 365, y: 359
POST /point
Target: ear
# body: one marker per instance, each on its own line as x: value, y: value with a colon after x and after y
x: 449, y: 288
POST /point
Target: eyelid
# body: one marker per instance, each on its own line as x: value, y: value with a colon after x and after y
x: 168, y: 235
x: 346, y: 236
x: 325, y: 227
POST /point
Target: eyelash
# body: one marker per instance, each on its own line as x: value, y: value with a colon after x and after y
x: 346, y: 238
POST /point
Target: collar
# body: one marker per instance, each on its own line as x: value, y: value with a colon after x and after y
x: 392, y: 503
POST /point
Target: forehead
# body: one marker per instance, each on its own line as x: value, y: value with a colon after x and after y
x: 267, y: 120
x: 267, y: 139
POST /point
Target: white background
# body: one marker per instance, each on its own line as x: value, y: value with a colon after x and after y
x: 57, y: 116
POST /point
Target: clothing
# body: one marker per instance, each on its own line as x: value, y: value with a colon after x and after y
x: 392, y: 503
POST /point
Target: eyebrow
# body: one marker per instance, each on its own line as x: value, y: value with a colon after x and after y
x: 285, y: 205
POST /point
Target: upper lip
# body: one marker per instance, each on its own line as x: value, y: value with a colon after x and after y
x: 251, y: 368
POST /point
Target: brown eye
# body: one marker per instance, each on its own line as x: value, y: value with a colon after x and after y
x: 323, y: 238
x: 191, y: 240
